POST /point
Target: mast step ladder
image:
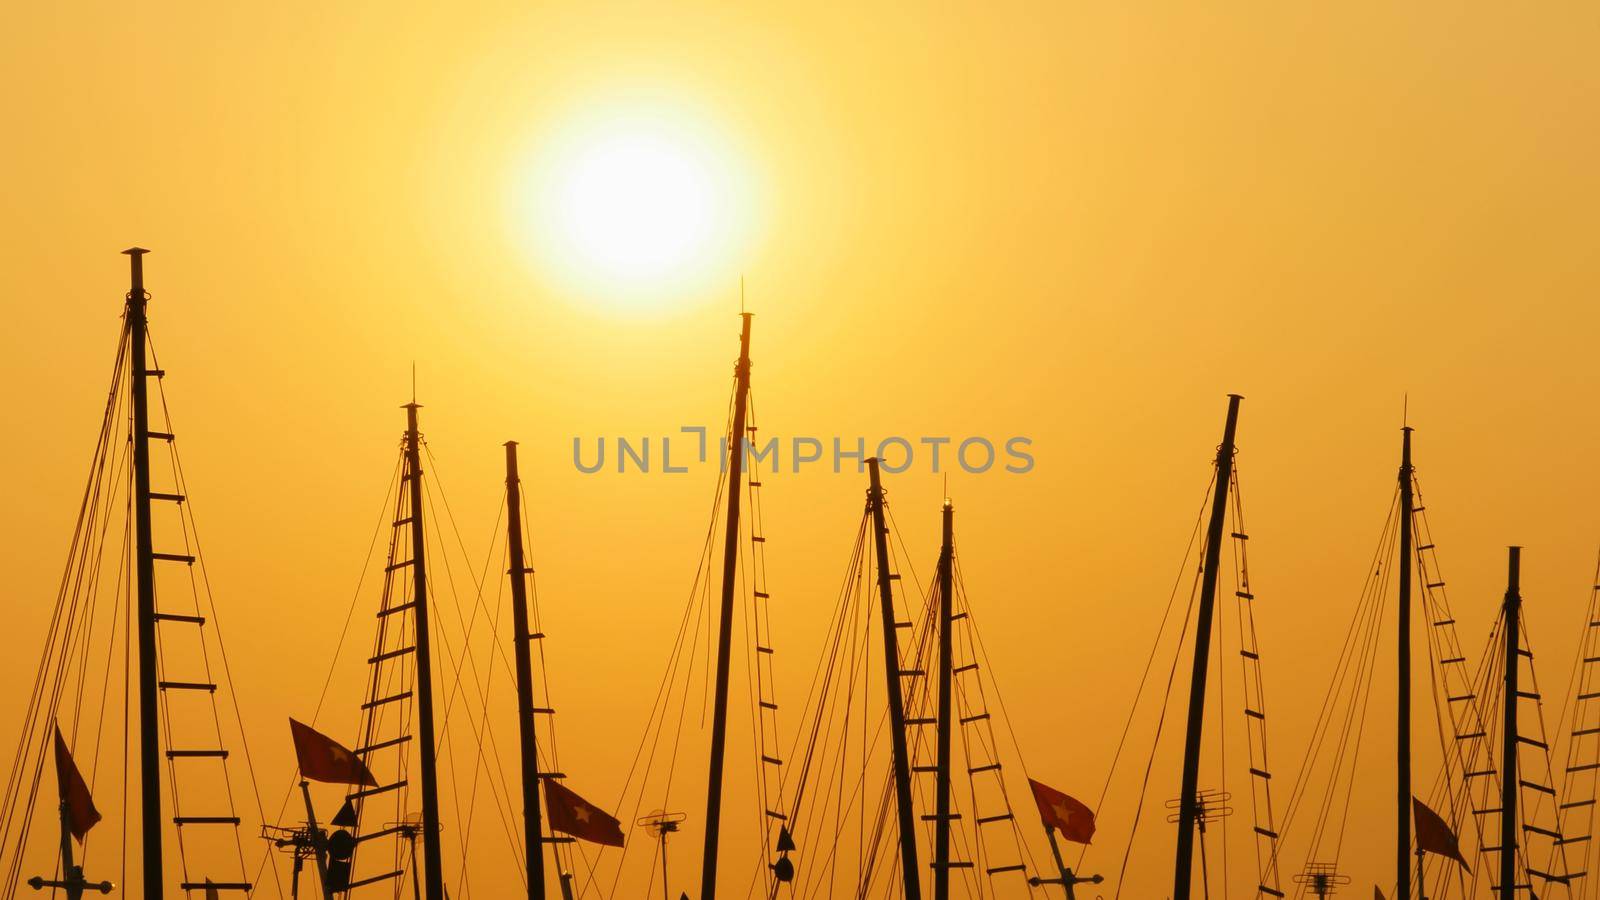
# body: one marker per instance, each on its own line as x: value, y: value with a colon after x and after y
x: 382, y: 745
x: 375, y: 791
x: 391, y: 654
x: 398, y: 607
x: 374, y: 879
x: 374, y: 704
x: 177, y: 617
x: 187, y: 686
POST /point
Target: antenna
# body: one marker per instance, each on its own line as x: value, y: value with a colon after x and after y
x: 1405, y: 410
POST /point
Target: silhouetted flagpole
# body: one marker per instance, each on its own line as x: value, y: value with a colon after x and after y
x: 1188, y: 810
x: 730, y: 570
x: 1403, y: 679
x: 432, y: 857
x: 522, y: 640
x: 144, y: 561
x: 941, y: 832
x: 1508, y: 771
x: 897, y: 710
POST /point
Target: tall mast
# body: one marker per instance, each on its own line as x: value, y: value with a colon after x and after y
x: 1508, y: 770
x: 941, y: 832
x: 432, y: 858
x: 533, y: 838
x: 897, y: 711
x: 730, y: 570
x: 1188, y: 809
x: 144, y: 563
x: 1403, y: 679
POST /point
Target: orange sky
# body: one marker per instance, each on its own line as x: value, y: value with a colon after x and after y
x: 1081, y: 225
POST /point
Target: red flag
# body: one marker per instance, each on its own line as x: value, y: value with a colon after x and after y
x: 81, y: 814
x: 580, y: 818
x: 324, y: 759
x: 1433, y: 835
x: 1066, y: 815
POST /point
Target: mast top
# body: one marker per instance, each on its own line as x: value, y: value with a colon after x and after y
x: 509, y: 444
x: 135, y: 251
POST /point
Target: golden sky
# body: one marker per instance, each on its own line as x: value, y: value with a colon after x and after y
x: 1082, y: 224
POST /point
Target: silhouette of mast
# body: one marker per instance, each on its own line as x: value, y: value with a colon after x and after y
x: 1508, y: 770
x: 144, y: 563
x: 432, y: 858
x: 1188, y: 809
x: 730, y: 567
x: 1403, y: 679
x: 897, y: 711
x: 941, y: 832
x: 522, y: 640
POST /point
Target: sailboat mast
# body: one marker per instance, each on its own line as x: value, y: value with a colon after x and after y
x: 897, y: 711
x: 1508, y: 770
x: 730, y: 570
x: 533, y: 838
x: 1188, y: 807
x: 432, y: 857
x: 144, y: 563
x: 941, y: 831
x: 1403, y: 679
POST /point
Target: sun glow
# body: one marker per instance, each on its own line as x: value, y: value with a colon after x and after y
x: 638, y: 205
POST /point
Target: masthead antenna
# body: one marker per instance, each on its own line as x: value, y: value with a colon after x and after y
x: 1405, y: 410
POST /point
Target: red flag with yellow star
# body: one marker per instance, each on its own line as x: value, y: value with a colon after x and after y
x: 580, y: 818
x: 322, y: 758
x: 1072, y: 819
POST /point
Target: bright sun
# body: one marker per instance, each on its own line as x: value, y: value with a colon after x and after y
x: 637, y: 205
